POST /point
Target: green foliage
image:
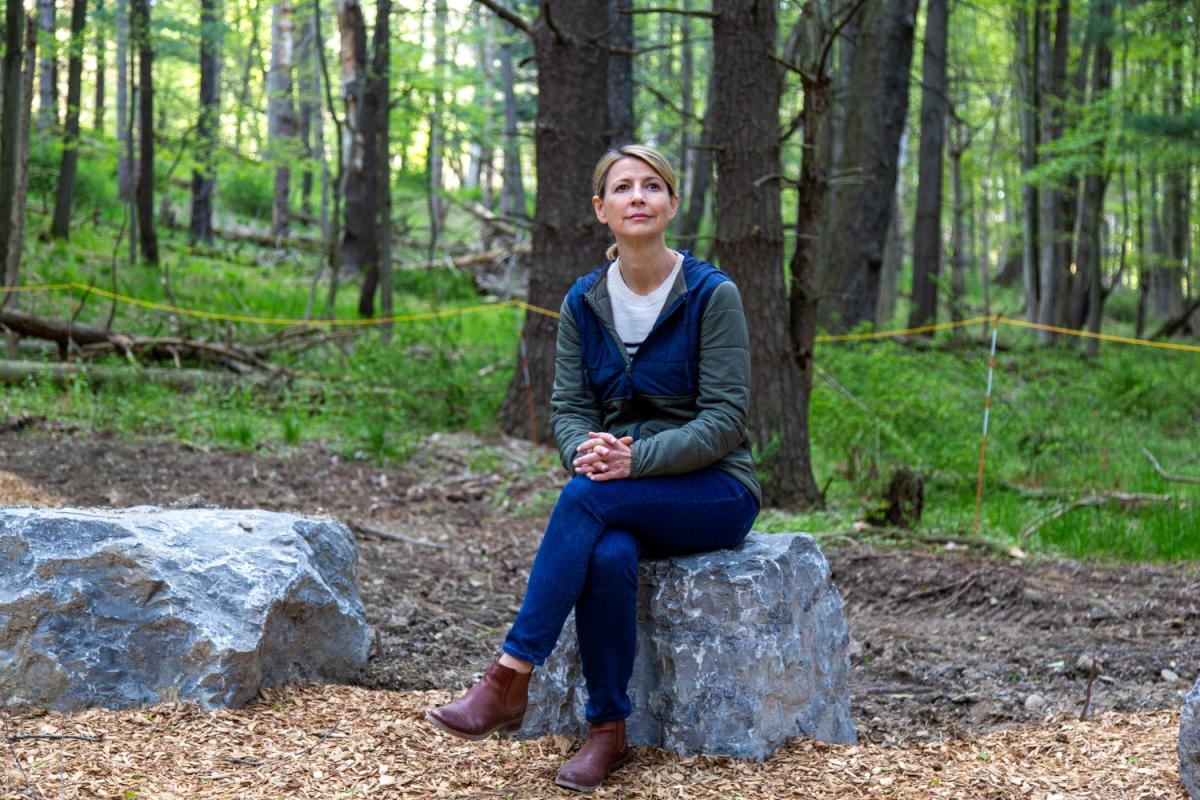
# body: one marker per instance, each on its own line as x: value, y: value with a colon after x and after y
x: 246, y: 189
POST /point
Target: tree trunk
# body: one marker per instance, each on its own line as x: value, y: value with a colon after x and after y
x: 512, y: 188
x: 124, y: 168
x: 1087, y: 283
x: 204, y: 176
x: 60, y: 228
x: 745, y: 100
x: 620, y: 73
x: 253, y: 50
x: 375, y: 115
x: 1175, y: 196
x: 893, y: 249
x: 1052, y: 71
x: 308, y: 103
x: 381, y: 74
x: 140, y: 22
x: 12, y: 262
x: 571, y: 133
x: 927, y: 225
x: 48, y: 85
x: 101, y: 67
x: 960, y: 141
x: 359, y: 248
x: 437, y: 136
x: 1028, y: 103
x: 687, y: 105
x: 874, y: 123
x: 10, y: 118
x: 281, y: 113
x: 701, y: 177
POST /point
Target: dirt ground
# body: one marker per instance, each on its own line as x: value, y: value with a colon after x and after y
x: 947, y: 645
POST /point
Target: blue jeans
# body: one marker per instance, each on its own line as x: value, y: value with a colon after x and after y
x: 588, y: 559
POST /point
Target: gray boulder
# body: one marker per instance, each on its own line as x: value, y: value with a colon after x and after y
x: 738, y: 651
x: 122, y: 608
x: 1189, y: 743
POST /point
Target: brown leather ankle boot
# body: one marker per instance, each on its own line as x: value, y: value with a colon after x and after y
x: 604, y: 751
x: 497, y: 702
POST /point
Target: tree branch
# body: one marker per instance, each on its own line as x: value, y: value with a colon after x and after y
x: 511, y: 17
x: 680, y: 11
x: 666, y: 101
x: 1166, y: 476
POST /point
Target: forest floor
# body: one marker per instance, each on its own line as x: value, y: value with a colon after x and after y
x: 969, y: 672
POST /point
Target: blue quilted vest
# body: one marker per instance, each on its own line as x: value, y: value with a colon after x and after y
x: 666, y: 365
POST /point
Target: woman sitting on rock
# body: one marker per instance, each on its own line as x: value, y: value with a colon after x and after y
x: 651, y: 388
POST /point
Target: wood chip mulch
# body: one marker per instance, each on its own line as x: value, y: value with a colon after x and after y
x: 337, y: 741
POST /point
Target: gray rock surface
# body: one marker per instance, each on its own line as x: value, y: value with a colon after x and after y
x: 1189, y: 743
x: 738, y: 651
x: 121, y: 608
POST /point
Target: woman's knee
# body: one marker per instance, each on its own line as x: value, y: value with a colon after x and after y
x: 615, y: 554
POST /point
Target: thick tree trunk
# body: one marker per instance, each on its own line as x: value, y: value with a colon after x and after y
x: 10, y: 117
x: 359, y: 248
x: 512, y: 189
x: 745, y: 100
x: 1052, y: 71
x: 101, y: 67
x: 148, y: 239
x: 927, y: 225
x: 124, y: 168
x: 60, y: 227
x: 281, y: 113
x: 1087, y: 283
x: 620, y: 73
x: 1028, y: 103
x: 571, y: 134
x: 48, y: 84
x: 204, y: 176
x: 874, y: 123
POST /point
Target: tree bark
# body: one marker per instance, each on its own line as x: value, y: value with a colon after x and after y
x: 10, y: 116
x: 60, y: 227
x: 359, y: 248
x: 124, y: 168
x: 145, y: 173
x: 48, y: 85
x: 874, y: 123
x: 745, y: 101
x: 437, y: 136
x: 960, y: 141
x: 12, y: 261
x: 376, y: 107
x: 382, y: 75
x: 101, y: 68
x: 512, y: 188
x: 204, y: 176
x: 281, y: 112
x: 571, y: 133
x: 927, y: 225
x: 620, y: 73
x: 308, y: 103
x: 893, y: 249
x: 1052, y: 71
x: 1028, y: 104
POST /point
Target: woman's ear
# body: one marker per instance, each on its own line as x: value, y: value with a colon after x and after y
x: 674, y: 206
x: 598, y: 204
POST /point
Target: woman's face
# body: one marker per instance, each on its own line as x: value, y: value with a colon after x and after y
x: 636, y: 202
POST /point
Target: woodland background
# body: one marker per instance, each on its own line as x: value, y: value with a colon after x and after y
x: 854, y: 164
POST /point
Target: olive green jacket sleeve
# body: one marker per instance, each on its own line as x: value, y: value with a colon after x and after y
x: 723, y: 400
x: 574, y: 408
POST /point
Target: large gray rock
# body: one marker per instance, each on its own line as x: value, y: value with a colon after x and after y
x: 738, y: 651
x: 1189, y: 743
x: 138, y: 606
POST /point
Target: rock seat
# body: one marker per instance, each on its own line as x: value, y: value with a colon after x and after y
x: 121, y: 608
x: 738, y: 651
x: 1189, y: 743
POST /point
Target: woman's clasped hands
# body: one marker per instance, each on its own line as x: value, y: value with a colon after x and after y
x: 604, y: 457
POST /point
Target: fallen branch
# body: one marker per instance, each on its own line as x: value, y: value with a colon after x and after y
x: 51, y: 736
x: 1127, y: 499
x: 388, y: 536
x: 63, y: 373
x: 1166, y: 476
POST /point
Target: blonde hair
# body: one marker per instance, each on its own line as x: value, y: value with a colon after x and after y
x: 642, y: 152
